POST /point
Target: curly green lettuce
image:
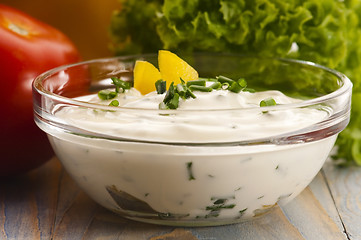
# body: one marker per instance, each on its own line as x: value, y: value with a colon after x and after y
x: 327, y: 32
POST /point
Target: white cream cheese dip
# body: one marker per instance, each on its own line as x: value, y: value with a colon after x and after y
x: 193, y: 163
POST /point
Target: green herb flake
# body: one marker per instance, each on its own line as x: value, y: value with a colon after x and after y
x: 174, y: 102
x: 242, y: 82
x: 267, y: 102
x: 181, y: 90
x: 241, y: 212
x: 163, y: 106
x: 171, y: 98
x: 200, y: 88
x: 212, y: 214
x: 223, y: 79
x: 170, y: 93
x: 106, y: 94
x: 120, y: 84
x: 220, y: 201
x: 190, y: 171
x: 114, y: 103
x: 161, y: 86
x: 222, y: 206
x: 199, y: 82
x: 216, y: 85
x: 251, y: 90
x: 235, y: 87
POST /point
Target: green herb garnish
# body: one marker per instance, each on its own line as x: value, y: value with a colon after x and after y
x: 251, y: 90
x: 241, y: 212
x: 220, y: 206
x: 173, y: 102
x: 217, y: 85
x: 217, y: 206
x: 114, y: 103
x: 170, y: 93
x: 161, y: 86
x: 232, y: 85
x: 190, y: 171
x: 223, y: 79
x: 171, y: 98
x: 199, y: 82
x: 242, y: 82
x: 200, y: 88
x: 106, y: 94
x: 235, y: 87
x: 182, y: 90
x: 185, y: 90
x: 120, y: 85
x: 267, y: 102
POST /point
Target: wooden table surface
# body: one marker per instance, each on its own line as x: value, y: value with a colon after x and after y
x: 47, y: 204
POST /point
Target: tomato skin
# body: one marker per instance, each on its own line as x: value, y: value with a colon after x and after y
x: 28, y: 48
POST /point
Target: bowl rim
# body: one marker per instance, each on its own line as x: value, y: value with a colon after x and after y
x: 345, y: 87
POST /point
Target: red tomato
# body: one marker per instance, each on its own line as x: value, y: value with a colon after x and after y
x: 28, y: 47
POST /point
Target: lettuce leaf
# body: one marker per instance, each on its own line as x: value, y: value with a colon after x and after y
x: 327, y: 32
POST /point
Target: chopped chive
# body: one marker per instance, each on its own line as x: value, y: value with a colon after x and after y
x: 217, y: 207
x: 225, y: 86
x: 267, y: 102
x: 114, y: 103
x: 163, y: 106
x: 200, y: 88
x: 216, y: 85
x: 174, y: 102
x: 181, y: 89
x: 199, y: 82
x: 223, y: 79
x: 235, y: 87
x: 189, y: 94
x: 212, y: 214
x: 161, y: 86
x: 170, y: 93
x: 190, y: 172
x: 209, y: 79
x: 120, y: 84
x: 241, y: 212
x: 220, y: 201
x: 251, y: 90
x: 242, y: 82
x: 106, y: 94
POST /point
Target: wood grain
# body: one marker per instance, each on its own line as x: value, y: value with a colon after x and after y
x: 47, y: 204
x: 345, y: 186
x: 311, y: 218
x: 28, y: 204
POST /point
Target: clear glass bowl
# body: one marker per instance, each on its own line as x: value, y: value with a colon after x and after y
x: 197, y: 167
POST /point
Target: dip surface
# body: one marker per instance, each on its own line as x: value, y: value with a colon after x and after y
x: 217, y: 116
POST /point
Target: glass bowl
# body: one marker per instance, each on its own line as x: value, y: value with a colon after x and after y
x: 197, y: 167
